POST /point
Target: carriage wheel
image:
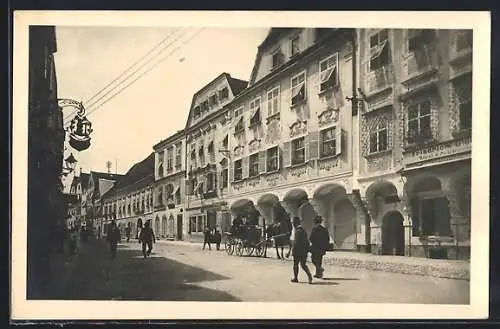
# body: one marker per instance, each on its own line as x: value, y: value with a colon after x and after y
x: 249, y: 250
x: 229, y: 246
x: 260, y: 249
x: 239, y: 248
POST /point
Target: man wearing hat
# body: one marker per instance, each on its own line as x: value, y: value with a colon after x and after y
x: 300, y: 249
x: 319, y: 245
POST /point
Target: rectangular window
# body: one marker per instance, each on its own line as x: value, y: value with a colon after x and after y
x: 201, y: 155
x: 465, y: 115
x: 160, y: 195
x: 204, y: 107
x: 254, y: 164
x: 328, y: 72
x: 379, y: 50
x: 238, y: 112
x: 273, y: 101
x: 238, y: 170
x: 272, y: 159
x: 419, y: 39
x: 224, y: 177
x: 211, y: 151
x: 160, y: 164
x: 178, y: 199
x: 239, y: 126
x: 210, y: 182
x: 298, y: 151
x: 378, y: 138
x: 170, y: 159
x: 255, y: 111
x: 419, y: 121
x: 225, y: 142
x: 201, y: 223
x: 298, y: 88
x: 224, y: 93
x: 178, y: 155
x: 328, y: 142
x: 295, y: 45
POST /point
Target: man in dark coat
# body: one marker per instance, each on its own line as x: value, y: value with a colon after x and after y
x: 113, y: 237
x: 147, y: 238
x: 300, y: 248
x: 319, y: 245
x: 207, y: 235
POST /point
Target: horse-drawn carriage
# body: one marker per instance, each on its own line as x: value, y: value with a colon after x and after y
x: 246, y: 240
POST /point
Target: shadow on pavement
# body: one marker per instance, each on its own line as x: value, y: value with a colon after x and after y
x: 131, y: 277
x: 340, y: 279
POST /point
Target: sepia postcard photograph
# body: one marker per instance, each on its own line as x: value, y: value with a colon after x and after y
x: 250, y: 165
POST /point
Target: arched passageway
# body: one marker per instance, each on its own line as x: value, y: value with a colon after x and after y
x: 393, y: 234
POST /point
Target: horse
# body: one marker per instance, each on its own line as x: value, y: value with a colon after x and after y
x: 280, y: 232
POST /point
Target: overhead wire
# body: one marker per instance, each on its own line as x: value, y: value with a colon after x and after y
x: 143, y: 73
x: 69, y: 117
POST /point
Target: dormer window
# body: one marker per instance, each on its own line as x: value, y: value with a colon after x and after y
x: 197, y: 112
x: 277, y: 58
x: 295, y: 46
x: 204, y: 107
x: 328, y: 72
x: 213, y: 100
x: 223, y: 93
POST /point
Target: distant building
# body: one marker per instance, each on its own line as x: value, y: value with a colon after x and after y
x: 98, y: 184
x: 130, y: 200
x: 78, y: 188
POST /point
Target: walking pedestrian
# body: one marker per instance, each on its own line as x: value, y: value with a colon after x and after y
x: 319, y: 245
x: 113, y: 237
x: 300, y: 248
x: 217, y: 238
x: 206, y: 238
x: 147, y: 238
x: 127, y: 232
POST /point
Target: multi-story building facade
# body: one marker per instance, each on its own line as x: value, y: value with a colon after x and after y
x: 130, y: 201
x: 291, y: 141
x: 169, y: 176
x: 415, y: 140
x: 45, y: 157
x: 207, y: 134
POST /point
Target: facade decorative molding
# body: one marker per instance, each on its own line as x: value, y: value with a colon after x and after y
x: 298, y: 127
x: 328, y: 116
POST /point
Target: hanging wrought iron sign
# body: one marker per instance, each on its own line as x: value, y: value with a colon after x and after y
x: 80, y: 127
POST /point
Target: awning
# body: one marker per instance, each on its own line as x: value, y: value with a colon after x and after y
x: 376, y: 51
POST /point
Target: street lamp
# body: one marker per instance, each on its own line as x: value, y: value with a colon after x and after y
x: 70, y: 165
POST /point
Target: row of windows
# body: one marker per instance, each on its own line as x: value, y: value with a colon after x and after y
x: 171, y: 196
x: 212, y: 101
x: 170, y: 159
x: 417, y: 40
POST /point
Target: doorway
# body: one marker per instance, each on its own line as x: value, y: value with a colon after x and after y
x: 179, y: 227
x: 393, y: 234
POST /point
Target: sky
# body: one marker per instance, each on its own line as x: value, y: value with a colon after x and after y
x: 127, y: 126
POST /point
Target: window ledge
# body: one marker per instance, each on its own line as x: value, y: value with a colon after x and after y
x: 298, y: 165
x: 461, y: 133
x: 254, y: 176
x: 419, y: 144
x: 273, y: 116
x: 378, y: 154
x: 237, y: 181
x: 271, y: 172
x: 328, y: 157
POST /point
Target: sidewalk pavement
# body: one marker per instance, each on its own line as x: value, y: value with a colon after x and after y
x: 440, y: 268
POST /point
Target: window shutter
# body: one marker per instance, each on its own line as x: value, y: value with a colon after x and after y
x: 262, y: 161
x: 313, y: 145
x: 245, y: 165
x: 287, y: 158
x: 338, y: 140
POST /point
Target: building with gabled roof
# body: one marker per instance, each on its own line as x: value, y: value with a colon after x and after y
x: 130, y: 200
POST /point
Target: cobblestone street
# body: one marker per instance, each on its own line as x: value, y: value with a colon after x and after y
x: 185, y: 272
